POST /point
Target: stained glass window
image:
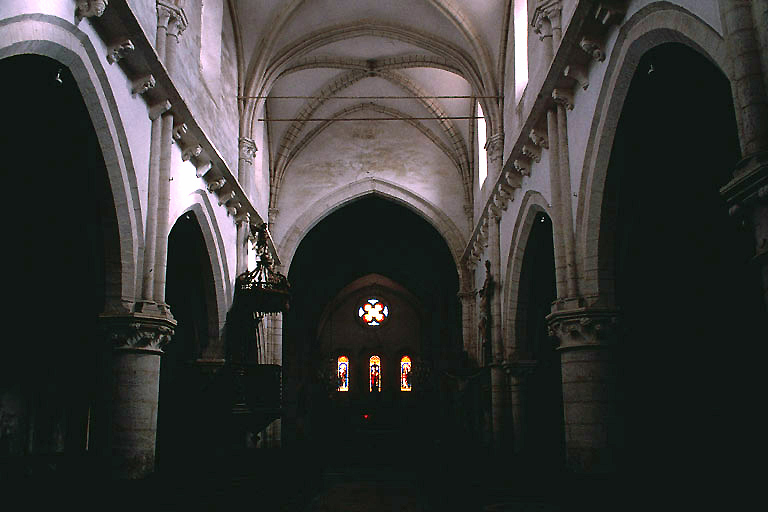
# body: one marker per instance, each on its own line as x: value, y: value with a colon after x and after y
x: 405, y: 373
x: 343, y: 374
x: 375, y: 379
x: 373, y: 312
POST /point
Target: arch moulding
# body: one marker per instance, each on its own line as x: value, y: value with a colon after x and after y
x: 651, y: 26
x: 49, y: 36
x: 532, y: 204
x: 217, y: 259
x: 356, y: 190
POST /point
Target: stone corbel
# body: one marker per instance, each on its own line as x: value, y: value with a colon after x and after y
x: 216, y: 185
x: 610, y: 12
x: 227, y: 197
x: 532, y: 152
x: 592, y: 48
x: 522, y: 166
x: 158, y: 109
x: 233, y: 208
x: 90, y: 8
x: 117, y: 51
x: 539, y: 138
x: 179, y: 131
x: 191, y: 152
x: 494, y: 209
x: 563, y: 97
x: 578, y: 73
x: 202, y: 170
x: 143, y: 84
x: 506, y: 194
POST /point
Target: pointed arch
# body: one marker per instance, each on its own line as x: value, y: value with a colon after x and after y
x: 533, y: 204
x: 342, y: 196
x: 218, y: 292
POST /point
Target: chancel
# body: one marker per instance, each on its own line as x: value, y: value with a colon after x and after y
x: 482, y: 255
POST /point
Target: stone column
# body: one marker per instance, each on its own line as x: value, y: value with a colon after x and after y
x: 564, y: 100
x: 517, y: 372
x: 498, y: 375
x: 175, y: 21
x: 589, y: 380
x: 137, y: 342
x: 747, y: 193
x: 557, y: 202
x: 546, y: 20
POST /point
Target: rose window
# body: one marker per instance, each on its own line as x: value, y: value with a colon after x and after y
x: 373, y: 312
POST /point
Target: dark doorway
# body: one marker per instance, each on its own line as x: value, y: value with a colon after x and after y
x: 542, y: 398
x: 58, y: 216
x: 689, y: 298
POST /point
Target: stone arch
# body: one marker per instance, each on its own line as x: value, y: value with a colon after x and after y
x: 219, y: 295
x: 52, y: 37
x: 533, y: 203
x: 361, y: 188
x: 651, y: 26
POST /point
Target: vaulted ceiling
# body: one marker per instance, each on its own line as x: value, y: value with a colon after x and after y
x: 308, y: 64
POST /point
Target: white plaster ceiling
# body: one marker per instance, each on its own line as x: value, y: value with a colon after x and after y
x: 369, y: 50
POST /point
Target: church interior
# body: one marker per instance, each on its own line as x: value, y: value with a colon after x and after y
x: 411, y: 255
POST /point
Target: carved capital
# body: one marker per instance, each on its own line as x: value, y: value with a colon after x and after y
x: 563, y: 97
x: 494, y: 147
x: 171, y: 17
x: 137, y: 332
x: 143, y: 84
x: 583, y: 327
x: 90, y: 8
x: 272, y: 214
x: 550, y: 10
x: 248, y: 149
x: 117, y: 51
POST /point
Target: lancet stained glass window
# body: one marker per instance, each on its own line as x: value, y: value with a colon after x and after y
x: 343, y: 374
x: 373, y: 312
x: 405, y: 373
x: 375, y: 371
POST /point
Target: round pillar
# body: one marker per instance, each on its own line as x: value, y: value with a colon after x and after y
x: 589, y: 382
x: 136, y: 341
